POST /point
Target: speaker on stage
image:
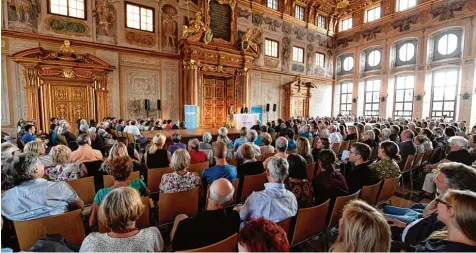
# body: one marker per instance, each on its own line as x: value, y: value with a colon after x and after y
x: 274, y: 107
x: 158, y: 104
x: 267, y: 107
x: 147, y: 105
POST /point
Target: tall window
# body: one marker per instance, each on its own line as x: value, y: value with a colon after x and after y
x: 346, y: 24
x: 443, y: 98
x: 372, y: 96
x: 321, y: 21
x: 298, y: 54
x: 70, y: 8
x: 405, y: 4
x: 271, y: 48
x: 320, y: 59
x: 346, y: 98
x: 139, y: 17
x: 373, y: 14
x: 404, y: 87
x: 299, y: 12
x: 273, y: 4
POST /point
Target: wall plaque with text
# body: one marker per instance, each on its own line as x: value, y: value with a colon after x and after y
x: 220, y: 20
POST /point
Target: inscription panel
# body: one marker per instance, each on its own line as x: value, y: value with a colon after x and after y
x: 220, y: 20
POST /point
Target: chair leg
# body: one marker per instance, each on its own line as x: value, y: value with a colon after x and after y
x: 327, y: 239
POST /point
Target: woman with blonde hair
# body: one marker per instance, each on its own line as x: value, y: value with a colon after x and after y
x: 119, y: 212
x: 267, y: 147
x: 369, y: 138
x: 303, y: 148
x: 39, y: 148
x: 157, y: 156
x: 181, y: 179
x: 62, y: 169
x: 117, y: 150
x: 362, y: 228
x: 223, y: 136
x: 456, y: 211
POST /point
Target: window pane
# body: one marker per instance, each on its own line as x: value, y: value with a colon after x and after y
x: 374, y: 58
x: 449, y: 106
x: 450, y: 93
x: 399, y: 106
x: 447, y: 44
x: 438, y: 93
x: 348, y: 63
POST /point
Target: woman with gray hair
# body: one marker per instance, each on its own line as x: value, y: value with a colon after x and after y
x: 223, y: 136
x: 181, y: 179
x: 385, y: 134
x: 196, y: 156
x: 206, y: 145
x: 33, y: 197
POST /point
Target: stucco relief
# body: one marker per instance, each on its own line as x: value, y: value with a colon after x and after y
x: 140, y: 59
x: 255, y: 98
x: 5, y: 95
x: 171, y: 96
x: 140, y: 85
x: 19, y: 91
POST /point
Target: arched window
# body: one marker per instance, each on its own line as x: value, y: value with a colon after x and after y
x: 443, y: 94
x: 447, y: 44
x: 405, y: 52
x: 404, y: 87
x: 373, y: 59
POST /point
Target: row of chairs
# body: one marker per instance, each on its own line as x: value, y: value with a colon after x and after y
x: 413, y: 162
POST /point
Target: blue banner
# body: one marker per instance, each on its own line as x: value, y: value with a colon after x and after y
x: 191, y: 116
x: 258, y: 110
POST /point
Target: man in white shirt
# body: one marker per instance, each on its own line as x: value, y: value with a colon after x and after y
x: 334, y: 136
x: 132, y: 129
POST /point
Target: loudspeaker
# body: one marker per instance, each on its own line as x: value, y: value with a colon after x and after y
x: 147, y: 105
x: 246, y: 109
x: 274, y: 107
x: 267, y: 107
x: 158, y: 105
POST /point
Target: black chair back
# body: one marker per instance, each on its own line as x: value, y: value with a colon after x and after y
x: 93, y: 170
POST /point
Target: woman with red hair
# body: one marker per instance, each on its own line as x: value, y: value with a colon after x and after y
x: 261, y: 235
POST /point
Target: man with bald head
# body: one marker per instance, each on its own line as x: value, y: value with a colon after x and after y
x: 212, y: 225
x: 406, y: 147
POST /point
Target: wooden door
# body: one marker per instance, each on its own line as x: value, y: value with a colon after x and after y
x: 71, y: 103
x: 214, y: 93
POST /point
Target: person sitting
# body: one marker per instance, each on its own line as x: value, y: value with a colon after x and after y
x: 303, y: 148
x: 62, y: 170
x: 361, y: 175
x: 306, y: 133
x: 196, y: 156
x: 32, y: 196
x: 157, y: 156
x: 206, y: 146
x: 458, y: 153
x: 334, y: 136
x: 281, y: 147
x: 9, y: 150
x: 134, y: 130
x: 329, y: 183
x: 429, y: 142
x: 85, y: 153
x: 250, y: 165
x: 259, y: 141
x: 418, y: 142
x: 369, y: 138
x: 320, y: 144
x: 238, y: 142
x: 384, y: 134
x: 362, y: 228
x: 261, y: 235
x: 297, y: 181
x: 120, y: 127
x: 266, y: 147
x: 257, y: 126
x: 169, y: 124
x: 209, y: 226
x: 250, y: 137
x: 223, y: 136
x: 176, y: 137
x: 274, y: 203
x: 119, y: 212
x: 456, y: 211
x: 29, y: 134
x: 118, y: 150
x: 387, y: 166
x: 101, y: 130
x: 181, y: 179
x: 69, y: 136
x: 120, y: 168
x: 352, y: 134
x: 39, y: 147
x: 131, y: 151
x: 222, y: 169
x: 406, y: 147
x: 291, y: 141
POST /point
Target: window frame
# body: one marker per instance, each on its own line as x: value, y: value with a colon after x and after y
x: 277, y: 48
x: 372, y: 102
x: 140, y: 6
x: 302, y: 54
x: 342, y: 24
x: 67, y: 7
x: 319, y: 16
x: 372, y: 9
x: 272, y: 5
x: 346, y: 94
x: 404, y: 75
x: 296, y: 12
x: 397, y: 6
x: 458, y: 53
x: 367, y: 53
x: 342, y: 59
x: 398, y: 46
x: 317, y: 59
x: 455, y: 101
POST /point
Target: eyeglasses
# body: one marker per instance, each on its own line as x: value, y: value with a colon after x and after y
x: 439, y: 201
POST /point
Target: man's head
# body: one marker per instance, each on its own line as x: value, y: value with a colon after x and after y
x: 457, y: 143
x: 193, y: 144
x: 251, y: 136
x: 281, y: 144
x: 359, y: 153
x: 332, y: 129
x: 30, y: 129
x: 83, y: 139
x: 278, y: 170
x: 290, y: 134
x: 221, y: 193
x: 219, y: 150
x: 176, y: 137
x: 53, y: 120
x: 407, y: 135
x: 455, y: 176
x: 9, y: 150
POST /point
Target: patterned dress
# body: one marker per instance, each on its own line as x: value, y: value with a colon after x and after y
x: 386, y: 168
x: 173, y: 182
x: 64, y: 172
x: 303, y: 191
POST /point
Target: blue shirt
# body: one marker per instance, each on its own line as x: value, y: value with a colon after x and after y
x: 258, y: 140
x: 37, y: 198
x: 306, y: 135
x: 219, y: 171
x: 120, y: 128
x: 275, y: 203
x: 27, y: 137
x: 176, y: 146
x: 291, y: 145
x: 239, y: 142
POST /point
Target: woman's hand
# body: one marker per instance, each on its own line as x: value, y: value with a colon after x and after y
x: 396, y: 223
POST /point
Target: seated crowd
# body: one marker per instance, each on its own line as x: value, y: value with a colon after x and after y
x: 303, y: 163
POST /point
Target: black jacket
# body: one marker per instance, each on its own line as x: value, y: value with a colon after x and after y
x: 360, y: 176
x: 406, y: 148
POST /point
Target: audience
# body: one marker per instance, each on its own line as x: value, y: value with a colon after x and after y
x: 361, y: 175
x: 118, y: 150
x: 206, y: 146
x: 39, y: 148
x: 261, y: 235
x: 119, y: 211
x: 181, y: 179
x: 209, y: 226
x: 297, y: 181
x: 250, y: 165
x: 32, y: 196
x: 369, y: 138
x: 134, y: 130
x: 62, y: 170
x: 329, y: 183
x: 196, y: 156
x: 263, y: 129
x: 334, y: 136
x: 281, y: 148
x: 238, y: 142
x: 223, y: 136
x: 274, y: 203
x: 351, y: 134
x: 320, y: 144
x: 303, y: 148
x: 266, y: 147
x: 291, y: 141
x: 222, y: 169
x: 29, y: 134
x: 157, y: 156
x: 406, y: 147
x: 176, y: 137
x: 387, y: 165
x: 85, y: 153
x: 250, y: 137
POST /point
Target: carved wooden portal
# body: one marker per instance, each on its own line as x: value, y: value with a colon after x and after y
x: 297, y: 98
x: 218, y: 93
x: 63, y: 84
